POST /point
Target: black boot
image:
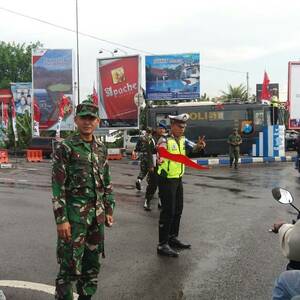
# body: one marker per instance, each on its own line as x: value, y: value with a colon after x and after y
x: 147, y: 205
x: 81, y: 297
x: 175, y: 243
x: 166, y: 250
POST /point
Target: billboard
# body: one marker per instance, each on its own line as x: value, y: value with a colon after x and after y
x: 22, y: 95
x: 52, y: 79
x: 118, y: 84
x: 273, y: 89
x: 173, y: 77
x: 294, y: 94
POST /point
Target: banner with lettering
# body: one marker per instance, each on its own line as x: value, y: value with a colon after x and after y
x: 119, y: 83
x: 52, y: 73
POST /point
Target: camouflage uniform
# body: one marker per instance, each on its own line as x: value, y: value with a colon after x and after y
x: 152, y: 178
x: 143, y: 148
x: 234, y: 141
x: 82, y: 196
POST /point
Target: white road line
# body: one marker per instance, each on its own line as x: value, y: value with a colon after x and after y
x: 49, y: 289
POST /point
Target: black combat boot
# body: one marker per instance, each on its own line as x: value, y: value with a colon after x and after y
x: 175, y: 243
x: 147, y: 205
x: 138, y: 184
x: 166, y: 250
x: 81, y: 297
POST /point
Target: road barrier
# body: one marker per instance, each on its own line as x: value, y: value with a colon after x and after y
x: 114, y: 154
x: 34, y: 155
x: 3, y: 157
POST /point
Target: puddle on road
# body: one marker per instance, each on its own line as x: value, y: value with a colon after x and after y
x: 234, y: 190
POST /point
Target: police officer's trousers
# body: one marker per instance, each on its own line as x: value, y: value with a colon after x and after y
x: 79, y: 260
x: 234, y: 155
x: 171, y: 194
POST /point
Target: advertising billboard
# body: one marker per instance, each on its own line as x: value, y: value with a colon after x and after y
x: 173, y: 77
x: 119, y: 83
x: 273, y: 89
x: 294, y: 95
x: 22, y: 95
x: 52, y: 80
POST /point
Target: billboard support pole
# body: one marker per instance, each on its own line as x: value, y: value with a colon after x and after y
x: 77, y: 54
x: 247, y: 80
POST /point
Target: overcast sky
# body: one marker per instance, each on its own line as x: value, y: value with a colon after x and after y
x: 246, y: 36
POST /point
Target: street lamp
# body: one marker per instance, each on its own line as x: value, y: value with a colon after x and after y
x: 118, y: 49
x: 105, y: 50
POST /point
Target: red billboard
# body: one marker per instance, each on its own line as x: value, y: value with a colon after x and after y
x: 118, y: 82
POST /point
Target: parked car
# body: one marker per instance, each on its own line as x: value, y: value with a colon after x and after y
x: 130, y: 143
x: 45, y: 144
x: 290, y: 139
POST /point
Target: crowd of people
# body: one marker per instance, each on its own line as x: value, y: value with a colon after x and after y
x: 83, y: 200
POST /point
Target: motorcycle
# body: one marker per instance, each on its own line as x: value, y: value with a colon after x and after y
x: 283, y: 196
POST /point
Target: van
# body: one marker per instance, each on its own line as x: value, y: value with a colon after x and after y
x: 130, y: 143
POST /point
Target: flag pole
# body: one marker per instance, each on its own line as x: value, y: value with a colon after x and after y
x: 77, y: 54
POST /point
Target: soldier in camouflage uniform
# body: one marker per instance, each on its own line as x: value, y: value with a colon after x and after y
x: 142, y: 147
x: 234, y: 141
x: 83, y: 203
x: 152, y: 177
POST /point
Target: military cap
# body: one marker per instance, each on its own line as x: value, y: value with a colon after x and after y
x: 162, y: 124
x: 179, y: 118
x: 87, y: 108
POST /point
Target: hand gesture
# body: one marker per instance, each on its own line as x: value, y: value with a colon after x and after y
x: 201, y: 142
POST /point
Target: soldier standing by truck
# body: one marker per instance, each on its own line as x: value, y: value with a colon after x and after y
x: 234, y: 141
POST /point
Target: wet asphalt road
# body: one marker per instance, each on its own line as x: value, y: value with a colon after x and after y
x: 226, y: 217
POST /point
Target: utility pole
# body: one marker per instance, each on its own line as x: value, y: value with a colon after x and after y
x: 77, y: 54
x: 247, y: 80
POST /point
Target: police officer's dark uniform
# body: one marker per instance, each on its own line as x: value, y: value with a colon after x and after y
x: 152, y: 177
x: 170, y: 188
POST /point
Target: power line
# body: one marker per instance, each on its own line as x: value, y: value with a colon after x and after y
x: 223, y: 69
x: 103, y: 40
x: 72, y: 30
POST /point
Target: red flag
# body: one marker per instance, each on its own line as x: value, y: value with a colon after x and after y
x: 163, y: 152
x: 4, y: 115
x: 265, y: 94
x: 36, y: 112
x: 95, y: 96
x: 64, y: 102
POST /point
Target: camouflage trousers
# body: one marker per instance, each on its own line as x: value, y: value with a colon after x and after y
x: 234, y: 155
x: 79, y: 260
x: 144, y: 166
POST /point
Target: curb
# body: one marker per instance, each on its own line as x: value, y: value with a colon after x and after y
x: 243, y: 160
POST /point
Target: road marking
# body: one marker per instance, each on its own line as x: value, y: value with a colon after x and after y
x: 49, y: 289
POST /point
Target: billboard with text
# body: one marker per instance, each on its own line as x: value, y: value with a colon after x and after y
x: 118, y: 84
x: 173, y: 77
x: 294, y: 95
x: 52, y: 78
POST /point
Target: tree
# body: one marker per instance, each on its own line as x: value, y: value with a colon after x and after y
x: 235, y: 93
x: 15, y: 62
x: 204, y: 97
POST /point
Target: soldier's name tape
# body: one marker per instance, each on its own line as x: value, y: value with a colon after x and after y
x: 40, y: 287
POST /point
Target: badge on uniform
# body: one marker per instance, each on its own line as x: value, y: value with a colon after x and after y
x: 174, y: 147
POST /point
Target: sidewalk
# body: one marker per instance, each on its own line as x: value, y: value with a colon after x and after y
x: 224, y: 160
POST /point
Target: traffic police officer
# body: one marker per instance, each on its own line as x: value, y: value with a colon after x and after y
x: 274, y: 110
x: 170, y: 186
x: 234, y: 141
x: 82, y: 202
x: 152, y: 163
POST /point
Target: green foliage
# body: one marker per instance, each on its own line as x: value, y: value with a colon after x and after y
x: 235, y: 93
x: 15, y: 62
x: 24, y: 132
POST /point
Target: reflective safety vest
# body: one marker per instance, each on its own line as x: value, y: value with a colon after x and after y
x: 274, y: 101
x: 173, y: 169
